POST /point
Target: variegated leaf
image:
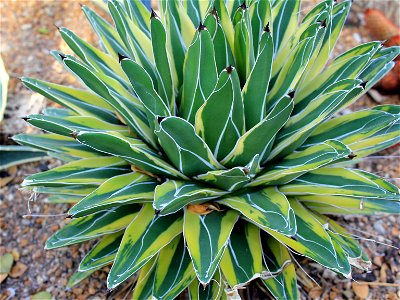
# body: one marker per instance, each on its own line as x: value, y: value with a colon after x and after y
x: 145, y: 281
x: 15, y: 155
x: 116, y: 191
x: 70, y: 199
x: 93, y: 226
x: 103, y: 253
x: 298, y: 163
x: 186, y: 150
x: 143, y: 238
x: 220, y: 120
x: 199, y: 73
x: 242, y: 260
x: 213, y: 290
x: 174, y: 270
x: 268, y: 209
x: 139, y: 14
x: 77, y: 277
x: 173, y: 195
x: 90, y: 171
x: 341, y: 182
x: 261, y: 14
x: 206, y: 238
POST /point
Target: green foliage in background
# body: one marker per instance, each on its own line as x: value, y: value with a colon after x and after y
x: 202, y: 150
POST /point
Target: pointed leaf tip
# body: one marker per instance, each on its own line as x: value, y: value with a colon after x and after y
x: 229, y: 69
x: 351, y: 156
x: 323, y: 23
x: 25, y: 119
x: 267, y: 29
x: 201, y: 27
x: 121, y: 57
x: 243, y: 5
x: 291, y: 94
x: 153, y: 14
x: 159, y: 119
x: 363, y: 84
x: 62, y: 56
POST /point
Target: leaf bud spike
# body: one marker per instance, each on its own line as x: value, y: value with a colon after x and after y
x: 25, y: 119
x: 201, y: 27
x: 68, y: 217
x: 266, y: 28
x: 74, y: 135
x: 157, y: 212
x: 153, y: 14
x: 351, y: 155
x: 291, y: 94
x: 62, y: 56
x: 58, y: 28
x: 229, y: 69
x: 363, y: 84
x: 121, y: 57
x: 159, y: 119
x: 323, y: 23
x: 243, y: 5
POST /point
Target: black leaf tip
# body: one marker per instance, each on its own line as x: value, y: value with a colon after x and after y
x: 159, y: 119
x: 243, y: 5
x: 266, y: 28
x: 323, y: 23
x: 351, y: 155
x: 109, y: 291
x: 229, y: 69
x: 74, y: 135
x: 215, y: 14
x: 363, y: 84
x: 121, y: 57
x: 58, y: 28
x: 62, y: 56
x: 291, y: 94
x: 157, y: 212
x: 153, y: 14
x: 26, y: 119
x: 68, y: 217
x: 201, y: 27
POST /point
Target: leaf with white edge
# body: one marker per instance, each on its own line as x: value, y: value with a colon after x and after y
x: 93, y: 226
x: 119, y: 190
x: 81, y: 102
x: 144, y: 89
x: 213, y: 290
x: 67, y: 125
x: 199, y: 73
x: 89, y: 171
x: 173, y: 195
x: 242, y: 260
x: 186, y: 150
x: 220, y: 120
x: 139, y: 14
x: 260, y: 138
x: 70, y: 199
x: 347, y: 205
x: 280, y: 276
x: 312, y: 241
x: 256, y: 87
x: 232, y: 179
x: 341, y: 182
x: 143, y: 238
x: 145, y: 281
x: 162, y: 63
x: 132, y: 150
x: 298, y: 163
x: 15, y: 155
x: 268, y: 209
x: 103, y: 253
x: 174, y: 270
x: 260, y: 22
x: 77, y: 277
x: 206, y: 238
x: 225, y: 21
x: 58, y: 112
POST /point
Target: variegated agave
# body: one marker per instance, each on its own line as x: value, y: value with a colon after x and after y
x: 207, y: 146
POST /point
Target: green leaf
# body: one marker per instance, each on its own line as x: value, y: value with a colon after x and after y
x: 139, y: 14
x: 232, y: 179
x: 199, y: 73
x: 225, y: 21
x: 67, y: 125
x: 312, y: 241
x: 15, y: 155
x: 162, y: 63
x: 3, y: 88
x: 260, y: 138
x: 256, y: 88
x: 213, y: 290
x: 70, y: 199
x: 86, y: 228
x: 242, y: 260
x: 143, y: 239
x: 116, y: 191
x: 341, y: 182
x: 260, y: 19
x: 58, y: 112
x: 77, y: 277
x: 281, y: 274
x: 62, y: 191
x: 206, y: 238
x: 173, y: 195
x: 186, y: 150
x: 145, y: 281
x: 268, y: 209
x: 103, y: 253
x: 90, y: 171
x: 298, y: 163
x: 81, y: 102
x: 220, y: 120
x: 174, y: 270
x: 132, y: 150
x: 347, y: 205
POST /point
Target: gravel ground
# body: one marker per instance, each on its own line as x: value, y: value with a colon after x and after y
x: 27, y: 33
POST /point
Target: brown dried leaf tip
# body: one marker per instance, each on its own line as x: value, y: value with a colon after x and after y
x: 201, y: 27
x: 229, y: 69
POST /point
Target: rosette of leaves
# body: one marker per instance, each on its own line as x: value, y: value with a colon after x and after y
x: 207, y: 145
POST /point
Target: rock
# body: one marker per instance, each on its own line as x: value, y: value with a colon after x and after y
x: 18, y: 270
x: 378, y: 226
x: 361, y: 290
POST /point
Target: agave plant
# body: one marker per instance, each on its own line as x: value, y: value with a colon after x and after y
x: 208, y: 145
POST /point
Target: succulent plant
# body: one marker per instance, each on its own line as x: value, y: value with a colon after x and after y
x: 208, y: 145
